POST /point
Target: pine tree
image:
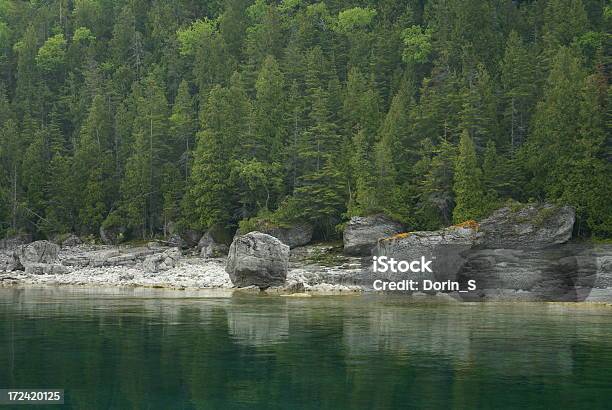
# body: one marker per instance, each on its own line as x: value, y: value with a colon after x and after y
x: 518, y: 83
x: 183, y: 126
x: 225, y: 129
x: 93, y: 167
x: 268, y: 113
x: 467, y: 182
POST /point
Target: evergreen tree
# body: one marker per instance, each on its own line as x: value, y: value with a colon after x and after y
x: 183, y: 126
x: 467, y: 182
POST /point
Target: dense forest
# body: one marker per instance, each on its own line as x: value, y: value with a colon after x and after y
x: 158, y: 115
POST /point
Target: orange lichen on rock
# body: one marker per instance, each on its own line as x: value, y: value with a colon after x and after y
x: 471, y: 224
x: 398, y: 236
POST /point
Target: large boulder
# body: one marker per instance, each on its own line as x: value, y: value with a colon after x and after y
x: 363, y: 232
x: 209, y: 248
x: 295, y: 235
x: 37, y: 252
x: 257, y: 259
x: 530, y: 226
x: 162, y: 261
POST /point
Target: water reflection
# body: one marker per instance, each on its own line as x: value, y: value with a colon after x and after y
x: 174, y: 349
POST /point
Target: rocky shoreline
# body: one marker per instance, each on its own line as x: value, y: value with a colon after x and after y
x: 523, y: 254
x: 126, y: 266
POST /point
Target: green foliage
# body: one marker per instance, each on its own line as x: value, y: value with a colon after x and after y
x: 190, y: 37
x: 355, y: 18
x: 51, y: 55
x: 467, y: 185
x: 83, y: 34
x: 213, y: 114
x: 417, y: 45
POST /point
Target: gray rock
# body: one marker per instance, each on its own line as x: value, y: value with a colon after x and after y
x: 71, y: 240
x: 257, y: 259
x: 46, y: 269
x: 363, y: 232
x: 162, y: 261
x: 37, y: 252
x: 532, y: 226
x: 293, y: 236
x: 80, y: 261
x: 112, y: 235
x: 446, y: 248
x: 209, y: 248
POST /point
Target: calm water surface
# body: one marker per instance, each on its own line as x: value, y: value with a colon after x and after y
x: 159, y: 349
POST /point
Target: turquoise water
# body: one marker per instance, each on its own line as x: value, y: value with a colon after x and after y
x: 158, y: 349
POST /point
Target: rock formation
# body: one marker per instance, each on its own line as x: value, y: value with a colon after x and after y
x: 363, y: 232
x: 293, y: 236
x: 257, y: 259
x: 162, y: 261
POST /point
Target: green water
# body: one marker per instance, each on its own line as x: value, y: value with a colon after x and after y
x: 155, y: 349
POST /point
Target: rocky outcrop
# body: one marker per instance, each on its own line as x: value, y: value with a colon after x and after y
x: 293, y: 236
x: 209, y: 248
x: 362, y: 233
x: 113, y: 234
x: 514, y: 250
x: 40, y: 257
x: 37, y: 252
x: 108, y: 257
x: 162, y: 261
x: 446, y: 248
x: 257, y: 259
x: 531, y: 226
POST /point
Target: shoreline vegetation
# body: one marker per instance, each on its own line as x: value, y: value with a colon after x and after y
x: 125, y: 120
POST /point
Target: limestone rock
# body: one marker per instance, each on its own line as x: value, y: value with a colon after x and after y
x: 257, y: 259
x: 447, y: 249
x: 162, y: 261
x: 530, y: 227
x: 46, y: 269
x: 363, y: 232
x: 37, y: 252
x: 296, y: 235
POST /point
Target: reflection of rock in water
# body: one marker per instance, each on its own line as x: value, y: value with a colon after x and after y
x: 525, y: 341
x: 474, y: 336
x: 259, y: 325
x: 420, y: 330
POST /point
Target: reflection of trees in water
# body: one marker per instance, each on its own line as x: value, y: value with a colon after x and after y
x: 366, y: 352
